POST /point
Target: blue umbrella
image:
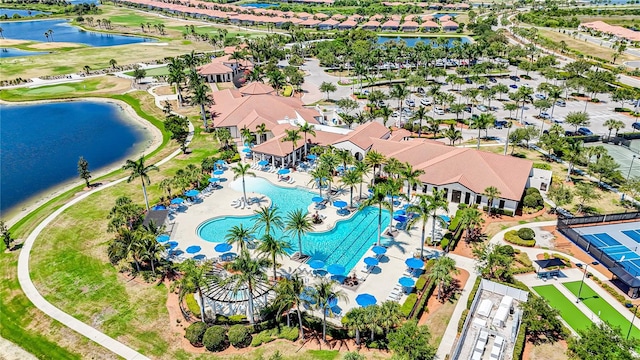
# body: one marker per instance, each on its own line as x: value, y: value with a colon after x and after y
x: 192, y: 193
x: 177, y: 201
x: 220, y: 162
x: 172, y: 244
x: 200, y: 257
x: 401, y: 212
x: 365, y: 300
x: 406, y: 281
x: 228, y: 256
x: 263, y: 162
x: 414, y: 263
x: 340, y: 204
x: 218, y: 172
x: 246, y: 150
x: 316, y: 264
x: 159, y: 207
x: 307, y: 295
x: 400, y: 218
x: 214, y: 180
x: 370, y: 261
x: 176, y: 252
x: 222, y: 247
x: 370, y: 190
x: 162, y: 238
x: 311, y: 157
x: 193, y: 249
x: 332, y: 301
x: 379, y: 250
x: 317, y: 199
x: 340, y: 168
x: 283, y: 171
x: 336, y: 269
x: 445, y: 218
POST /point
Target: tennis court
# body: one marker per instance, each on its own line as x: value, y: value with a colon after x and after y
x: 568, y: 310
x: 619, y: 241
x: 601, y: 308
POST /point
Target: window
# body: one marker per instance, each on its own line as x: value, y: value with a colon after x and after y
x: 478, y: 199
x: 501, y: 204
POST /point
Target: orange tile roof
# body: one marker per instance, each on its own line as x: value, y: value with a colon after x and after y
x: 364, y: 135
x: 256, y: 88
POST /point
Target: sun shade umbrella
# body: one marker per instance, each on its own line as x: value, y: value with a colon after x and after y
x: 311, y: 157
x: 336, y: 269
x: 177, y: 201
x: 283, y: 171
x: 200, y: 257
x: 192, y: 193
x: 222, y: 247
x: 400, y: 218
x: 369, y: 261
x: 401, y: 212
x: 159, y: 207
x: 263, y: 162
x: 379, y: 250
x: 365, y: 300
x: 317, y: 199
x: 162, y: 238
x: 246, y: 150
x: 340, y: 203
x: 172, y: 244
x: 414, y: 263
x: 193, y: 249
x: 218, y: 172
x: 214, y: 180
x: 220, y: 162
x: 406, y: 281
x: 316, y: 264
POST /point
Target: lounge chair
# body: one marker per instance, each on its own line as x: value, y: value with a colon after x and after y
x: 291, y: 181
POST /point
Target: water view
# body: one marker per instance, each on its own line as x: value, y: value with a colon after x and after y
x: 40, y: 144
x: 21, y: 12
x: 13, y: 52
x: 412, y: 41
x: 259, y: 5
x: 62, y: 31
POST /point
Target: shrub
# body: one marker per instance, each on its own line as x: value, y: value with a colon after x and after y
x: 422, y: 281
x: 444, y: 243
x: 463, y: 318
x: 543, y: 166
x: 473, y: 292
x: 518, y: 347
x: 513, y: 238
x: 533, y: 201
x: 192, y: 305
x: 422, y: 305
x: 289, y: 333
x: 237, y: 319
x: 526, y: 234
x: 408, y: 305
x: 215, y: 338
x: 262, y: 338
x: 239, y: 336
x: 195, y: 332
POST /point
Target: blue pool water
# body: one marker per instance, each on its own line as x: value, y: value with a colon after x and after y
x: 411, y: 41
x: 345, y: 244
x: 12, y: 52
x: 21, y: 12
x: 259, y: 5
x: 40, y: 145
x: 64, y: 32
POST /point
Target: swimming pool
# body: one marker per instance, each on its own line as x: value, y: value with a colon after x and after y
x: 345, y: 244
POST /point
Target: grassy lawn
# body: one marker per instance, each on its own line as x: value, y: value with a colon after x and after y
x: 439, y: 319
x: 159, y: 71
x: 602, y: 308
x: 585, y: 47
x: 100, y: 86
x: 568, y: 310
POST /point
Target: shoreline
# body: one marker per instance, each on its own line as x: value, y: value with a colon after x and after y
x: 153, y: 139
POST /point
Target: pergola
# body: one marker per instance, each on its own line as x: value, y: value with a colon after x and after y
x: 229, y: 298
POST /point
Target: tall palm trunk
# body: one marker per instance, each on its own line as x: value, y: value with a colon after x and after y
x: 357, y: 336
x: 433, y: 228
x: 244, y: 190
x: 300, y: 322
x: 204, y: 117
x: 153, y: 267
x: 201, y: 305
x: 351, y: 197
x: 324, y: 325
x: 379, y: 222
x: 424, y: 231
x: 144, y: 192
x: 273, y: 258
x: 250, y: 303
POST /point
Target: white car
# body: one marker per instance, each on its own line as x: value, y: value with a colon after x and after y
x: 410, y: 102
x: 438, y: 111
x: 425, y: 102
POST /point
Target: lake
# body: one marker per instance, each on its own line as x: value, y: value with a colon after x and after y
x: 21, y: 12
x: 259, y: 5
x: 13, y: 52
x: 411, y: 41
x: 64, y: 32
x: 40, y: 145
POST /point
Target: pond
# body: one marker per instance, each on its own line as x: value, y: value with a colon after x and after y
x: 13, y: 52
x: 22, y: 12
x: 40, y: 145
x: 259, y: 5
x: 411, y: 41
x: 61, y: 31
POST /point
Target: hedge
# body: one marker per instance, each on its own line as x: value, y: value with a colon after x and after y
x: 215, y: 338
x: 408, y: 305
x: 526, y: 233
x: 262, y: 338
x: 474, y: 290
x: 192, y: 305
x: 423, y: 300
x: 499, y: 211
x: 289, y: 333
x: 463, y: 318
x: 630, y: 136
x: 239, y: 336
x: 518, y: 346
x: 543, y: 166
x: 612, y: 291
x: 513, y: 238
x: 195, y: 332
x: 422, y: 281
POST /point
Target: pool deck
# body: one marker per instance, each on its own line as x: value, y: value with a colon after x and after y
x: 379, y: 282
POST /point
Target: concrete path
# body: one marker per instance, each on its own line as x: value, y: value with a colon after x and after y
x: 30, y: 290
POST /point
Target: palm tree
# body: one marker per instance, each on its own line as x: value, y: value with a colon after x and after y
x: 375, y: 160
x: 149, y: 249
x: 411, y: 177
x: 441, y: 273
x: 483, y: 122
x: 400, y: 92
x: 138, y: 169
x: 372, y: 317
x: 276, y: 79
x: 201, y: 97
x: 319, y: 177
x: 612, y: 124
x: 176, y: 75
x: 470, y: 219
x: 268, y: 218
x: 351, y: 178
x: 292, y: 135
x: 344, y: 156
x: 573, y: 153
x: 239, y: 234
x: 390, y: 315
x: 247, y: 272
x: 453, y: 134
x: 427, y: 207
x: 288, y: 295
x: 242, y: 170
x: 394, y: 191
x: 361, y: 168
x: 194, y: 279
x: 273, y: 248
x: 378, y: 197
x: 323, y: 294
x: 419, y: 115
x: 355, y: 320
x: 298, y: 224
x: 306, y: 128
x: 393, y: 167
x: 491, y: 193
x: 261, y: 130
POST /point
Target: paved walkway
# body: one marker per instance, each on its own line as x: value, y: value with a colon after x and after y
x: 30, y: 290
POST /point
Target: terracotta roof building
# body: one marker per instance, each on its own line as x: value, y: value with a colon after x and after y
x: 223, y: 69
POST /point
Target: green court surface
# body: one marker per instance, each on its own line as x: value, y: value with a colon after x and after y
x: 159, y: 71
x: 568, y: 310
x: 603, y: 309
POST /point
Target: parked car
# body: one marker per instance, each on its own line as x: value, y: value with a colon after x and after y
x: 513, y: 86
x: 492, y: 79
x: 564, y: 213
x: 539, y: 96
x: 636, y: 126
x: 558, y: 120
x: 499, y: 124
x: 482, y: 108
x: 514, y: 78
x: 561, y: 103
x: 382, y: 104
x: 482, y: 87
x: 410, y: 102
x: 420, y: 90
x: 395, y: 114
x: 467, y: 109
x: 545, y: 115
x: 438, y: 110
x: 584, y: 131
x: 425, y: 102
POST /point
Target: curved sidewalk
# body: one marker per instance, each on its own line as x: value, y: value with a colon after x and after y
x: 30, y: 290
